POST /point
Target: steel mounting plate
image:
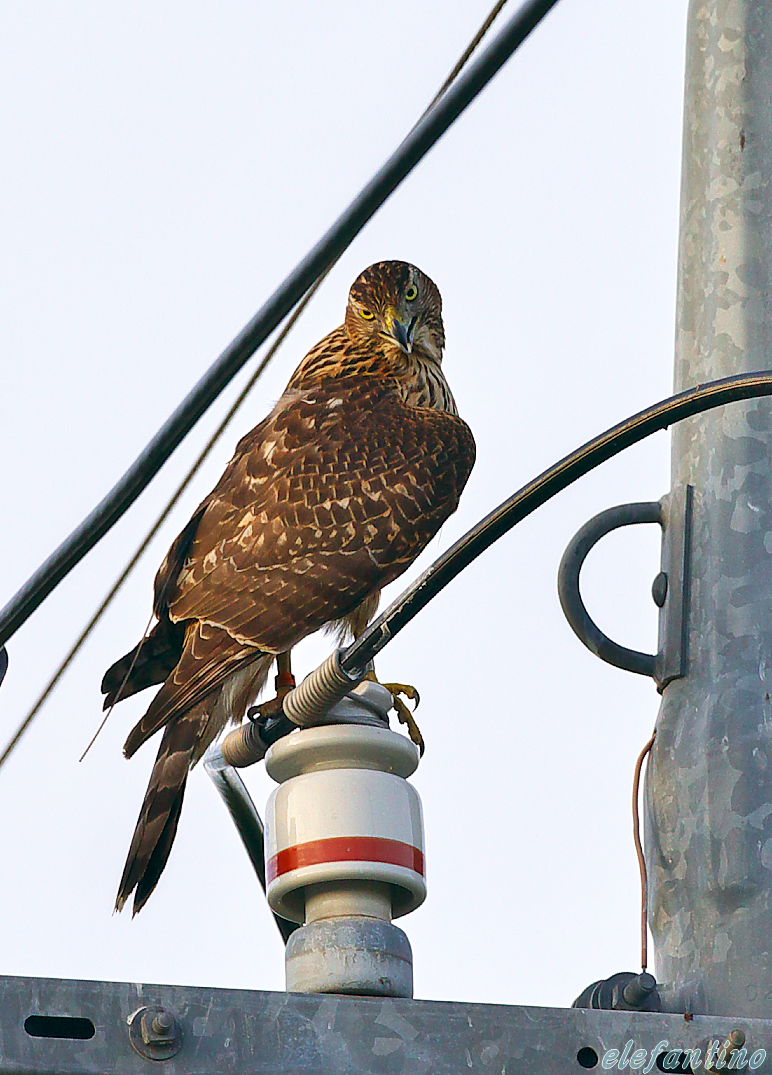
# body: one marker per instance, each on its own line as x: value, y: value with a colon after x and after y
x: 233, y: 1032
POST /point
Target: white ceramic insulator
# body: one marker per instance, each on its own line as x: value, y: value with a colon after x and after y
x: 344, y: 811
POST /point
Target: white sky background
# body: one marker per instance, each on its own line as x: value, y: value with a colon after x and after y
x: 164, y: 167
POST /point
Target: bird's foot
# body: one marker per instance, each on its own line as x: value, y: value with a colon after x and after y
x: 404, y: 714
x: 272, y: 707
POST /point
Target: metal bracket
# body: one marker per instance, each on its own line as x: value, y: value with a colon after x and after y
x: 64, y: 1027
x: 671, y: 594
x: 669, y: 590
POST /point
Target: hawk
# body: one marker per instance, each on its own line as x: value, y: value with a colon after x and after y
x: 327, y: 500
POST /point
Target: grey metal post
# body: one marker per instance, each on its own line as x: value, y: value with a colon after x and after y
x: 709, y: 801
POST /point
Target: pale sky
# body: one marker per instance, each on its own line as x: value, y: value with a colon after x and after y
x: 164, y: 166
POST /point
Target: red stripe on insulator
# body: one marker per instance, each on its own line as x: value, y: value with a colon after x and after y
x: 345, y: 849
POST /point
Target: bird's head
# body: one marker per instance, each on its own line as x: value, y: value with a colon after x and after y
x: 395, y: 304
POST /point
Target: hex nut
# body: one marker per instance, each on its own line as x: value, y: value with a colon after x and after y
x: 155, y: 1033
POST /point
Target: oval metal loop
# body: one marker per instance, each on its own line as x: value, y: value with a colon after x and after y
x: 583, y: 626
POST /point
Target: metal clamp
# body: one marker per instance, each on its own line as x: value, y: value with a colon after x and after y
x: 673, y: 514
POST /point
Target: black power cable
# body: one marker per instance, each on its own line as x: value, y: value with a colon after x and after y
x: 526, y: 500
x: 275, y: 347
x: 412, y: 149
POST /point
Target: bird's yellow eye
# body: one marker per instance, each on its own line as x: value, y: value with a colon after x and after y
x: 367, y: 314
x: 412, y: 293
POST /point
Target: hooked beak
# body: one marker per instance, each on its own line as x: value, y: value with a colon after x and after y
x: 403, y: 333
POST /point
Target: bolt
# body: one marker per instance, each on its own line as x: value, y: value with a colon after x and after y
x: 735, y: 1041
x: 155, y: 1034
x: 158, y: 1028
x: 659, y: 589
x: 639, y: 989
x: 163, y: 1022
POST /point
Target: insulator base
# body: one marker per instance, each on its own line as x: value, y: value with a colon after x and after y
x: 355, y: 956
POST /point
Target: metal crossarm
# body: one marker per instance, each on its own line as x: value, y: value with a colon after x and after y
x: 94, y: 1028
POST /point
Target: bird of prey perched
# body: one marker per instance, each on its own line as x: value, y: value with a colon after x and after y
x: 327, y: 500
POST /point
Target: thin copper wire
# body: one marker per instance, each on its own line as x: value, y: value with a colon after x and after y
x: 160, y: 520
x: 639, y: 852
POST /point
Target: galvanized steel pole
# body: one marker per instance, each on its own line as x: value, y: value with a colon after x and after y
x: 709, y: 789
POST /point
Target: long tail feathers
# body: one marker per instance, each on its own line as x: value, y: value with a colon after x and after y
x: 187, y: 734
x: 149, y: 662
x: 157, y: 823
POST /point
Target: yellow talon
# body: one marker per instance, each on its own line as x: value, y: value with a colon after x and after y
x: 403, y: 713
x: 406, y: 689
x: 406, y: 717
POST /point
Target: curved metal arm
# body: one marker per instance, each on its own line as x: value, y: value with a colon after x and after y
x: 582, y: 624
x: 538, y: 491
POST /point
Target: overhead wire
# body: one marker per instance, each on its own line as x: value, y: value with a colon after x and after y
x: 211, y: 443
x: 322, y: 255
x: 466, y: 55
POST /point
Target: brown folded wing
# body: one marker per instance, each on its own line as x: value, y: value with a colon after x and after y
x: 327, y: 500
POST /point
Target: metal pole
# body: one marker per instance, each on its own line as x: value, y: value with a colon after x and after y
x: 709, y: 787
